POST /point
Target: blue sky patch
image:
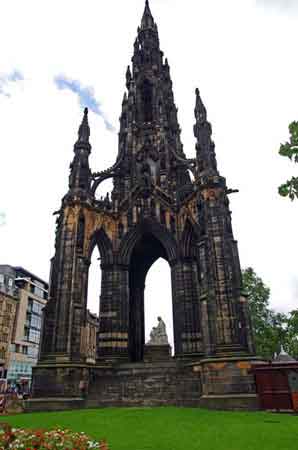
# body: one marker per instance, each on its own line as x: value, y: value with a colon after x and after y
x: 7, y: 78
x: 85, y: 95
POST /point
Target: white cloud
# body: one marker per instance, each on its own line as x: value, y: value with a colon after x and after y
x: 2, y: 218
x: 85, y: 96
x: 241, y: 60
x: 280, y: 5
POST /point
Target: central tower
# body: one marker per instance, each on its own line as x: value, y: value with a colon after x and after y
x: 149, y: 130
x: 163, y: 205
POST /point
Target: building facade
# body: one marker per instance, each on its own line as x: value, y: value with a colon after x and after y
x: 162, y: 205
x: 29, y: 296
x: 8, y: 309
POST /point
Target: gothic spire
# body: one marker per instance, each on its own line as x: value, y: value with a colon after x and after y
x: 80, y: 174
x: 84, y: 131
x: 147, y: 39
x: 147, y: 19
x: 205, y: 145
x: 149, y: 113
x: 200, y: 110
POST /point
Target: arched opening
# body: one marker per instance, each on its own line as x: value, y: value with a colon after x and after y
x: 147, y: 250
x: 93, y: 307
x: 103, y: 193
x: 94, y: 283
x: 158, y: 299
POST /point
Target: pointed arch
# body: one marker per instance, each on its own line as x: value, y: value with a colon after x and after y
x: 148, y: 227
x: 101, y: 240
x: 189, y: 239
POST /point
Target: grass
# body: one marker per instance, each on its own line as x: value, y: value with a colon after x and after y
x: 173, y: 428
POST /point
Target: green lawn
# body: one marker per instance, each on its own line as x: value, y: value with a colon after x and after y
x: 174, y: 428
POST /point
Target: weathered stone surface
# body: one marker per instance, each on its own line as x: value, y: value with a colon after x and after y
x: 157, y: 352
x: 156, y: 210
x: 139, y: 384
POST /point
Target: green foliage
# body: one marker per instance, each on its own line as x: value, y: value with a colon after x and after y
x: 291, y: 341
x: 290, y: 150
x: 269, y: 327
x: 289, y: 189
x: 173, y: 428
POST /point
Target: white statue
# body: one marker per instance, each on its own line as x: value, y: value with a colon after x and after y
x: 158, y: 335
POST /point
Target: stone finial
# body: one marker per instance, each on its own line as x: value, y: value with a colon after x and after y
x: 84, y: 130
x: 128, y: 77
x: 200, y: 110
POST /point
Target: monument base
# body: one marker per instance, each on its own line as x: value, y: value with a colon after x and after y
x: 53, y: 404
x: 228, y: 383
x: 214, y: 383
x: 157, y: 353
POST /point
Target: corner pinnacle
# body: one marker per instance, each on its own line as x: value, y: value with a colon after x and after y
x: 84, y: 130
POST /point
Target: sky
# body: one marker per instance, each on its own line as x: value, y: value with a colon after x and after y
x: 59, y: 56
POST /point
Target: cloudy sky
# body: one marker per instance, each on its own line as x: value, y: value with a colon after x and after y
x: 58, y: 56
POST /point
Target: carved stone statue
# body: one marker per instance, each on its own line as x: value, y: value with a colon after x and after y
x: 158, y: 335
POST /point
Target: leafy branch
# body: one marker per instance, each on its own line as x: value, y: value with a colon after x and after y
x: 290, y: 150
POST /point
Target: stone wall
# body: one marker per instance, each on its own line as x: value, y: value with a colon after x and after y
x: 145, y: 384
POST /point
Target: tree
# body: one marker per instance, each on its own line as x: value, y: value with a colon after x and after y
x: 290, y: 150
x: 291, y: 343
x: 269, y: 327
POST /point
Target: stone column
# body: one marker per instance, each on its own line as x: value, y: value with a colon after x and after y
x: 221, y: 276
x: 186, y: 309
x: 113, y: 329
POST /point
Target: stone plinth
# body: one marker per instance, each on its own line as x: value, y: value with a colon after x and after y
x: 160, y: 383
x: 157, y: 353
x: 228, y: 383
x: 215, y: 383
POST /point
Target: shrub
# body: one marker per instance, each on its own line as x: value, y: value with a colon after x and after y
x: 16, y: 438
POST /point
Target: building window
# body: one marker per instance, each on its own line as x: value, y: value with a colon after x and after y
x: 25, y: 350
x: 1, y: 278
x: 32, y: 335
x: 10, y: 282
x: 33, y: 352
x: 35, y: 322
x: 34, y: 307
x: 37, y: 291
x: 8, y: 307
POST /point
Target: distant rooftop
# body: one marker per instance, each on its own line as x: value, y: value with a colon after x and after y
x: 24, y: 273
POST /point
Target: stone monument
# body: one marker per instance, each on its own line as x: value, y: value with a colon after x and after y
x: 162, y: 205
x: 158, y: 348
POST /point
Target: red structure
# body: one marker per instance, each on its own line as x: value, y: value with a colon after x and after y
x: 277, y: 385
